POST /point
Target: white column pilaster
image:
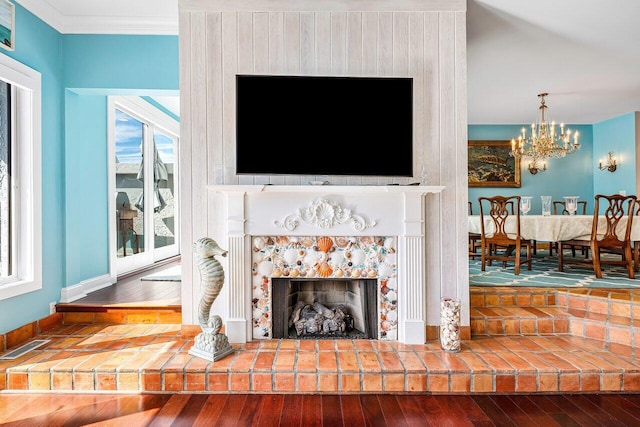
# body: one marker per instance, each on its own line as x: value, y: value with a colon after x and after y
x: 411, y: 273
x: 237, y: 325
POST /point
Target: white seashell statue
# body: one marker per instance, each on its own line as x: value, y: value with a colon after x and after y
x: 210, y: 344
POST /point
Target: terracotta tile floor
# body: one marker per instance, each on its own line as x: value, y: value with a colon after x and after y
x: 154, y: 357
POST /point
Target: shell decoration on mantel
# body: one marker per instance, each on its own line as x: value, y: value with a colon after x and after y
x: 324, y: 257
x: 324, y: 244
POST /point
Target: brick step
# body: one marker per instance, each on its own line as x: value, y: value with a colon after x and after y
x: 500, y: 321
x: 610, y: 303
x: 502, y: 296
x: 610, y: 316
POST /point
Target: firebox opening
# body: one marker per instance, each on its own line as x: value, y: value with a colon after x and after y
x: 324, y: 308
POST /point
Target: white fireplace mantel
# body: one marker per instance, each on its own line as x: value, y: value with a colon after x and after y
x: 316, y: 210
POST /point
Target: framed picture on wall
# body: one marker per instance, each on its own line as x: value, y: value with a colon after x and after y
x: 491, y: 165
x: 6, y: 24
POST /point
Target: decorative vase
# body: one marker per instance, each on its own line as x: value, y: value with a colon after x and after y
x: 450, y: 324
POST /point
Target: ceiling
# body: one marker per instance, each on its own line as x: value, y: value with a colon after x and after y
x: 584, y: 53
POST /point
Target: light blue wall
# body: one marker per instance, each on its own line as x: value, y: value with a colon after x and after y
x: 144, y: 64
x: 38, y: 46
x: 86, y: 204
x: 97, y: 66
x: 568, y: 176
x: 78, y: 72
x: 617, y: 135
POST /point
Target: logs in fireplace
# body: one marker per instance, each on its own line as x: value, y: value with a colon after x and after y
x: 317, y: 321
x: 324, y: 309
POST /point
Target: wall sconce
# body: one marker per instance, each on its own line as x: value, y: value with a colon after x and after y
x: 609, y: 163
x: 534, y: 167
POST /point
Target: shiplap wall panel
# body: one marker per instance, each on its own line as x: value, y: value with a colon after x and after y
x: 416, y: 68
x: 246, y: 57
x: 416, y: 38
x: 354, y: 44
x: 275, y: 53
x: 447, y: 160
x: 461, y: 187
x: 307, y: 43
x: 385, y: 44
x: 214, y: 92
x: 215, y: 160
x: 186, y: 141
x: 338, y: 43
x: 229, y: 68
x: 323, y: 43
x: 430, y: 167
x: 293, y: 53
x: 198, y: 169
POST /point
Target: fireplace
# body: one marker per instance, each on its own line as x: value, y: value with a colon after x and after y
x: 353, y: 276
x: 318, y: 236
x: 324, y: 309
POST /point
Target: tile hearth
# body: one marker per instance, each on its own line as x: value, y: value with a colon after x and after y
x: 87, y: 357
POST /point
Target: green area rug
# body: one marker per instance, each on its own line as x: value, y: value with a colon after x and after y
x: 544, y: 273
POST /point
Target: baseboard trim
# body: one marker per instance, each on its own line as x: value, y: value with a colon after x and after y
x: 80, y: 290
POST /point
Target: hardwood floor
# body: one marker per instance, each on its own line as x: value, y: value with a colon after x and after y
x: 307, y: 408
x: 132, y: 292
x: 319, y: 410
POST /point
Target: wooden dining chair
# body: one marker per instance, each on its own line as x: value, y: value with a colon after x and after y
x: 611, y: 236
x: 474, y: 239
x: 497, y: 210
x: 560, y: 208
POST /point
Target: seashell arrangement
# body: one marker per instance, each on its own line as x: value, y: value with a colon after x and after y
x: 324, y: 244
x: 290, y: 256
x: 324, y: 270
x: 259, y: 243
x: 357, y: 257
x: 450, y: 324
x: 265, y: 268
x: 325, y: 257
x: 342, y: 242
x: 385, y: 269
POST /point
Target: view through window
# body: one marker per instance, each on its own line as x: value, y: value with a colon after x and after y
x: 6, y: 150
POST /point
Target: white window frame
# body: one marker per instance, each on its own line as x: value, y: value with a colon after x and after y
x: 26, y: 181
x: 146, y: 113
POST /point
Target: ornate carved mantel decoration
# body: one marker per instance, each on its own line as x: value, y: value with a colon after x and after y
x: 324, y: 214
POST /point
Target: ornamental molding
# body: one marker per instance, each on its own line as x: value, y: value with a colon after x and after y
x: 324, y: 214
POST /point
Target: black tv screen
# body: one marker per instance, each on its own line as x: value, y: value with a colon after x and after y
x: 322, y: 125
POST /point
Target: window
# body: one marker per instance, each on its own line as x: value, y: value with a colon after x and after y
x: 143, y: 161
x: 20, y: 179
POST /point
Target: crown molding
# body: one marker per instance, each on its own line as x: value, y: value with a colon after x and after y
x: 101, y: 24
x: 43, y: 10
x: 121, y: 25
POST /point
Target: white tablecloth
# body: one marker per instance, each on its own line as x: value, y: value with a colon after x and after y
x: 553, y: 228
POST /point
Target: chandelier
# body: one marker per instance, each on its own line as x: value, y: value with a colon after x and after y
x: 545, y: 141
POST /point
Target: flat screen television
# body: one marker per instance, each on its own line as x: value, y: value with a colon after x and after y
x: 324, y: 125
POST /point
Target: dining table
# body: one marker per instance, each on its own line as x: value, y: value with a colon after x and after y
x: 553, y: 228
